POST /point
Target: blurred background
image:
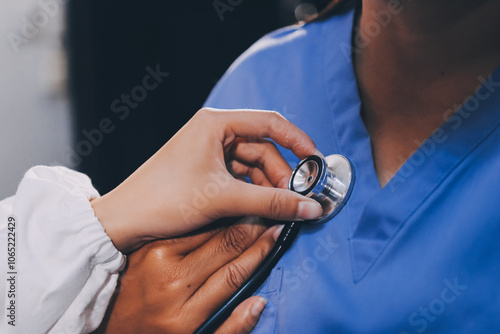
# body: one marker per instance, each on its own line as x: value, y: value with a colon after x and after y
x: 99, y: 86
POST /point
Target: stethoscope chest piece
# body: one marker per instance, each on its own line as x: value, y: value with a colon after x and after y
x: 329, y: 181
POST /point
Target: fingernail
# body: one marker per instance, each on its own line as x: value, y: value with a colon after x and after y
x: 258, y: 307
x: 277, y: 233
x: 309, y: 210
x: 319, y: 154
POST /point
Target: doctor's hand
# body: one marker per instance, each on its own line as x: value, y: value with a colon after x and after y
x: 187, y: 184
x: 172, y: 286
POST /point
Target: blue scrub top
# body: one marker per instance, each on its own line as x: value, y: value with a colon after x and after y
x: 419, y: 255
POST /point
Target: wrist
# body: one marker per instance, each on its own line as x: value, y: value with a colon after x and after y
x: 116, y: 222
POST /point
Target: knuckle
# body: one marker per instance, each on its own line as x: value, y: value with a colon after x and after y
x: 276, y: 122
x: 277, y: 205
x: 201, y: 113
x: 235, y: 240
x: 268, y: 149
x: 171, y: 279
x: 206, y: 113
x: 157, y: 252
x: 253, y: 173
x: 252, y: 149
x: 280, y: 126
x: 259, y: 159
x: 276, y: 115
x: 235, y: 275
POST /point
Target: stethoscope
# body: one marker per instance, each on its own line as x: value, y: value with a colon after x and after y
x: 329, y: 181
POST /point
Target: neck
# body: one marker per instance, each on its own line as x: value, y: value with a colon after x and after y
x: 429, y: 52
x: 437, y: 35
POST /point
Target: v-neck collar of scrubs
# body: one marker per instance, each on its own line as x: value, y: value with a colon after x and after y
x: 387, y: 210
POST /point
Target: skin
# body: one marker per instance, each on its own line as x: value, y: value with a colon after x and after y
x: 431, y: 54
x: 173, y: 285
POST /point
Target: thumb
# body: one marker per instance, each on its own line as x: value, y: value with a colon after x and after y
x: 244, y: 317
x: 273, y: 203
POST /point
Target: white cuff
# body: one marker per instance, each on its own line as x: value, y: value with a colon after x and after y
x: 67, y: 265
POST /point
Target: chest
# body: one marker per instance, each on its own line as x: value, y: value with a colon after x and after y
x: 395, y: 137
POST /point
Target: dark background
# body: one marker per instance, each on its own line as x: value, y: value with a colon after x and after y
x: 110, y: 44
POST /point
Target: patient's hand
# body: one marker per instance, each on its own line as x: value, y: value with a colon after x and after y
x: 172, y: 286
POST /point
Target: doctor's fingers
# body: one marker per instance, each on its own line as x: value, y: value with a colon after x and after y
x: 224, y: 282
x: 256, y: 176
x: 223, y: 248
x: 260, y: 124
x: 184, y: 244
x: 245, y: 199
x: 244, y: 317
x: 260, y: 155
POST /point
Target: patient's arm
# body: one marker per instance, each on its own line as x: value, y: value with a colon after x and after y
x: 172, y: 286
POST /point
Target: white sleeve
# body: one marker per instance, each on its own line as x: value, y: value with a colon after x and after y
x: 66, y: 267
